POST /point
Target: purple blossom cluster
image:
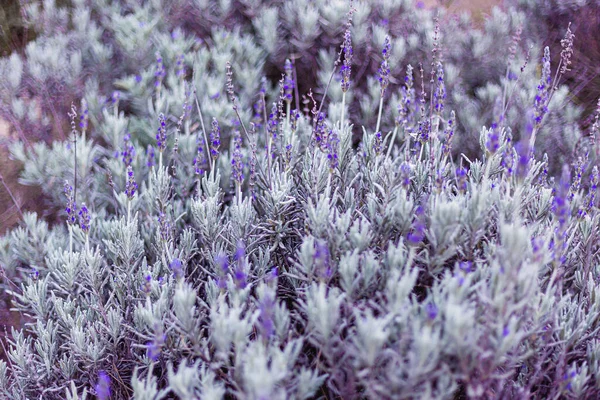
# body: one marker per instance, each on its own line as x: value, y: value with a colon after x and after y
x: 131, y: 186
x: 384, y: 69
x: 71, y: 208
x: 159, y: 73
x: 542, y: 96
x: 346, y: 68
x: 161, y: 134
x: 128, y: 153
x: 84, y: 218
x: 215, y: 139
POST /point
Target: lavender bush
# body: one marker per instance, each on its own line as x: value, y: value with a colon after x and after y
x: 221, y: 240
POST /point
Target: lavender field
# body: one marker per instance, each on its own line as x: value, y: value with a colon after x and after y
x: 310, y: 199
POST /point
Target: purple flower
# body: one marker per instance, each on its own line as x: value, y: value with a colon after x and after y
x: 103, y: 386
x: 161, y: 135
x: 150, y: 155
x: 147, y: 286
x: 378, y: 143
x: 266, y: 307
x: 159, y: 74
x: 164, y: 226
x: 523, y: 156
x: 177, y: 268
x: 417, y: 233
x: 432, y: 311
x: 239, y: 274
x: 448, y: 134
x: 84, y: 117
x: 131, y: 186
x: 294, y: 117
x: 71, y: 208
x: 384, y: 69
x: 407, y: 102
x: 84, y: 218
x: 561, y: 199
x: 154, y: 346
x: 405, y: 175
x: 322, y: 260
x: 542, y: 97
x: 180, y: 66
x: 332, y: 150
x: 215, y: 139
x: 199, y: 160
x: 505, y: 331
x: 492, y: 143
x: 466, y: 266
x: 222, y: 263
x: 129, y: 152
x: 346, y: 68
x: 320, y: 132
x: 461, y: 179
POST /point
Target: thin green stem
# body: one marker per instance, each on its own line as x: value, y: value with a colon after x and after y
x: 379, y: 116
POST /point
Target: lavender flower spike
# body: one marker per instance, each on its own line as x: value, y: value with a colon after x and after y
x: 131, y: 186
x: 384, y: 70
x: 542, y: 97
x: 215, y: 139
x: 161, y: 135
x: 346, y: 68
x: 84, y: 218
x: 71, y: 208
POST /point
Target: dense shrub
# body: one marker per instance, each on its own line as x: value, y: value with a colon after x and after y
x: 217, y: 244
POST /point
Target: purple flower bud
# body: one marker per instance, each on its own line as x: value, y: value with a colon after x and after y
x: 159, y: 74
x: 215, y: 139
x: 84, y: 218
x: 153, y: 347
x: 177, y: 268
x: 417, y: 233
x: 384, y: 69
x: 461, y: 179
x: 161, y: 135
x: 150, y: 155
x: 332, y: 145
x: 432, y: 311
x: 266, y: 307
x: 405, y: 175
x: 131, y: 186
x: 346, y: 68
x: 129, y: 151
x: 147, y: 285
x: 103, y: 386
x: 542, y: 97
x: 322, y: 261
x: 71, y: 208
